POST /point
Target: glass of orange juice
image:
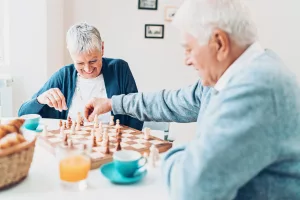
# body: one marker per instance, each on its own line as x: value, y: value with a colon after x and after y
x: 74, y: 166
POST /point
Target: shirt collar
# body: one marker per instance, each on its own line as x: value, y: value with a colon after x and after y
x: 249, y: 55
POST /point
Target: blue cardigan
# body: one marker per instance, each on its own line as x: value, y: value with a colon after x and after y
x: 118, y: 80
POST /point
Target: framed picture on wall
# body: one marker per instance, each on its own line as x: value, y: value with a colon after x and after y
x: 148, y: 4
x: 170, y: 12
x: 154, y: 31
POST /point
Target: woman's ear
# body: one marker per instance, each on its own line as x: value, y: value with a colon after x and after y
x: 102, y: 49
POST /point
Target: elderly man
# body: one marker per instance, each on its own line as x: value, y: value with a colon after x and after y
x: 247, y: 107
x: 68, y: 91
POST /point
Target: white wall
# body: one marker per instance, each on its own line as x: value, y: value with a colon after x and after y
x: 38, y: 27
x: 155, y: 63
x: 55, y: 35
x: 27, y: 46
x: 279, y: 29
x: 36, y: 45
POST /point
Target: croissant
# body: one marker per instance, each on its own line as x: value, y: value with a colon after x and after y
x: 11, y: 127
x: 10, y: 140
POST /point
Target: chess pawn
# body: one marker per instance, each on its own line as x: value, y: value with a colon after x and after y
x: 78, y: 117
x: 96, y: 121
x: 103, y: 143
x: 77, y: 128
x: 118, y: 132
x: 93, y: 132
x: 82, y: 121
x: 105, y: 133
x: 60, y: 123
x: 118, y: 147
x: 111, y: 122
x: 107, y: 147
x: 65, y: 125
x: 154, y: 155
x: 70, y: 143
x: 69, y: 122
x: 105, y: 137
x: 99, y: 130
x: 66, y: 139
x: 73, y: 129
x: 45, y: 131
x: 94, y: 141
x: 100, y: 126
x: 62, y: 131
x: 99, y: 137
x: 147, y: 132
x: 118, y: 124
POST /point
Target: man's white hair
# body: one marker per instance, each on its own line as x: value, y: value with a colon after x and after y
x: 83, y: 38
x: 201, y: 17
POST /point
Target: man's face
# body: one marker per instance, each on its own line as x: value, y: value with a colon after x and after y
x: 89, y: 64
x: 202, y: 57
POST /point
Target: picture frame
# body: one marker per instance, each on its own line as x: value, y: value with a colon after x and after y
x: 155, y: 31
x: 170, y: 12
x: 147, y: 4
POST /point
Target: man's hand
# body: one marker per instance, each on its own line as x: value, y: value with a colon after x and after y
x: 97, y: 106
x: 54, y: 99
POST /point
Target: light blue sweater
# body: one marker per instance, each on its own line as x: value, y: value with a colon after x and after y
x: 248, y: 135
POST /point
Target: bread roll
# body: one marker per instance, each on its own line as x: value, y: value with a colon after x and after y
x: 11, y: 127
x: 10, y: 140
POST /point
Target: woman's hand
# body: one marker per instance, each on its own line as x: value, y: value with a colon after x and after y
x: 54, y: 99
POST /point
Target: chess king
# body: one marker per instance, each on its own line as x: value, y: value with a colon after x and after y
x: 246, y: 105
x: 91, y: 75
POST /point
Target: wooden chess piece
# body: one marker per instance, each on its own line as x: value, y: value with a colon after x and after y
x: 111, y: 122
x: 73, y: 129
x: 96, y: 121
x: 77, y: 128
x: 99, y: 138
x: 100, y: 126
x: 147, y: 132
x: 69, y: 122
x: 118, y: 124
x: 82, y: 122
x: 60, y: 123
x: 65, y: 125
x: 107, y: 147
x: 118, y: 132
x: 62, y: 131
x: 119, y: 139
x: 154, y: 155
x: 70, y: 143
x: 66, y: 139
x: 94, y: 141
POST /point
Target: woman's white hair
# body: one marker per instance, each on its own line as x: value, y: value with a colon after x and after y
x: 82, y: 38
x: 201, y: 17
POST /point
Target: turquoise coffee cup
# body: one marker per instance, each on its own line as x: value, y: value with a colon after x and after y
x: 128, y: 162
x: 32, y: 121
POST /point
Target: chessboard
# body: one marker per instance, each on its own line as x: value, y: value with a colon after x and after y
x: 131, y: 139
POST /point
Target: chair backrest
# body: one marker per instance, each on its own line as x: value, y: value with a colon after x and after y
x: 162, y: 126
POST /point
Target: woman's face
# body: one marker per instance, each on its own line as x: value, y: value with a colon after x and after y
x: 88, y: 65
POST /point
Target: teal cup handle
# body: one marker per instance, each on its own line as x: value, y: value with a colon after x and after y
x: 141, y: 166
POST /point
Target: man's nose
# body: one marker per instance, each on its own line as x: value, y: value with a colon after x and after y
x: 188, y: 62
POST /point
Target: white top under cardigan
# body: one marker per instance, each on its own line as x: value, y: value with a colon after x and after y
x: 86, y: 89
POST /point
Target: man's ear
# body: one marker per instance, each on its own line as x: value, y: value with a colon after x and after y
x: 221, y: 43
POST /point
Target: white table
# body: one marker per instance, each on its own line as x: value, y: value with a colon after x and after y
x: 42, y: 183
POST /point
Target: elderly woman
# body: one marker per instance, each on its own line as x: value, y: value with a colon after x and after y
x: 67, y: 92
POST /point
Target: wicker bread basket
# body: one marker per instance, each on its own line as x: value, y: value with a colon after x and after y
x: 15, y: 163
